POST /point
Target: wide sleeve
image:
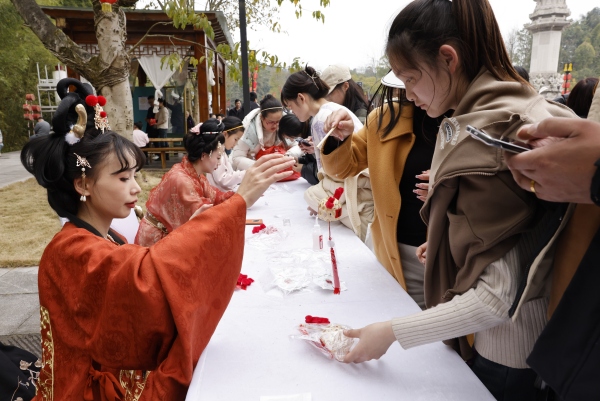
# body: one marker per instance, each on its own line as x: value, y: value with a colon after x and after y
x: 213, y: 195
x: 148, y: 308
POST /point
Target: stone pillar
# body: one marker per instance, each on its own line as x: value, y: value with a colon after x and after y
x: 547, y: 22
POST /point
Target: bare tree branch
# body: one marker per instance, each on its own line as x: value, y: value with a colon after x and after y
x: 147, y: 34
x: 59, y: 44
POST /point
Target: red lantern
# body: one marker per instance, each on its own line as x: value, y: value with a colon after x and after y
x: 107, y: 5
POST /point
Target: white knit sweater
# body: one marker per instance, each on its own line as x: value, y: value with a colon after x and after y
x: 482, y: 310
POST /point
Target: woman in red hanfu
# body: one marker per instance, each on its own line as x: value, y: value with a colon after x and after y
x: 185, y: 190
x: 119, y: 321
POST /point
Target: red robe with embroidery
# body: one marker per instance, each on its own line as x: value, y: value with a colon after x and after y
x: 120, y: 322
x: 175, y: 199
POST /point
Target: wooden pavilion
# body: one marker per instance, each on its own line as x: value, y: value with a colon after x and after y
x: 78, y: 24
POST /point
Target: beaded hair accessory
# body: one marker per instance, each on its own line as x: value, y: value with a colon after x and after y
x: 101, y: 118
x: 83, y: 163
x: 219, y: 149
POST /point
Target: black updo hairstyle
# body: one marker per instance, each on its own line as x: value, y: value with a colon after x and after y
x: 205, y: 141
x: 52, y: 161
x: 305, y: 81
x: 232, y: 122
x: 269, y: 104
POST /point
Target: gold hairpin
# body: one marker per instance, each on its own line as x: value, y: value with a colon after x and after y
x: 83, y: 163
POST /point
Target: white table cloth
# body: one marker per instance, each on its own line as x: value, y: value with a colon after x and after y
x: 251, y: 354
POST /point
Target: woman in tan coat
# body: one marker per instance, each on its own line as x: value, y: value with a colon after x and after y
x: 396, y: 157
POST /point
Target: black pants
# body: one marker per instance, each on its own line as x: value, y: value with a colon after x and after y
x: 505, y: 384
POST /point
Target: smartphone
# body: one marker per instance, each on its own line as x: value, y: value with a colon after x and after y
x: 303, y: 141
x: 488, y: 140
x: 253, y: 222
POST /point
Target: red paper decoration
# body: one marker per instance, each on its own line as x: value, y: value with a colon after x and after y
x: 244, y: 281
x: 315, y: 319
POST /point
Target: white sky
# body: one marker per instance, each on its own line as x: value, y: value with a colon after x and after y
x: 355, y: 30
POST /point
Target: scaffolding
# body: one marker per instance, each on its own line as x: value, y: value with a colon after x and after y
x: 46, y: 90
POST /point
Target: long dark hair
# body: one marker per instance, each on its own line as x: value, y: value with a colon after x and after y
x: 580, y: 98
x: 205, y: 141
x: 305, y: 81
x: 423, y: 26
x: 354, y: 98
x: 394, y: 103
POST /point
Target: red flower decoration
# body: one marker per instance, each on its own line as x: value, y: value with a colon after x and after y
x: 102, y: 102
x: 244, y: 281
x: 315, y: 319
x: 103, y: 114
x: 258, y: 229
x: 91, y: 100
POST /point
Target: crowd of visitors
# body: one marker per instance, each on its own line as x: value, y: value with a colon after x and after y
x: 499, y: 250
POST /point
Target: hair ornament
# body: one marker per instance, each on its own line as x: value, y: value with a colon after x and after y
x: 234, y: 128
x: 83, y: 163
x: 312, y: 77
x: 101, y: 118
x: 272, y: 108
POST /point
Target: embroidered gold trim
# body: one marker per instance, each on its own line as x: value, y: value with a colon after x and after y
x: 133, y: 382
x: 46, y: 381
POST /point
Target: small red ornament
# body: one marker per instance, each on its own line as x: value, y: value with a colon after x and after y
x: 101, y: 100
x: 258, y: 229
x: 91, y: 100
x: 103, y: 114
x: 315, y: 319
x: 244, y: 281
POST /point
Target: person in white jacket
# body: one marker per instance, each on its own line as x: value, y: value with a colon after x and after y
x: 225, y: 177
x: 261, y: 126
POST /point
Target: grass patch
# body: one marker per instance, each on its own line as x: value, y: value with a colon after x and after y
x: 27, y: 223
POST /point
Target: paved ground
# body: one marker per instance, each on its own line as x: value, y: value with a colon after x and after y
x: 11, y: 169
x: 19, y: 303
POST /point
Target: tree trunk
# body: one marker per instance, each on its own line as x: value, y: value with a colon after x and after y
x: 111, y: 33
x: 108, y: 72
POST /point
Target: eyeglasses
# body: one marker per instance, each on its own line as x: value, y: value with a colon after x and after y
x: 271, y: 123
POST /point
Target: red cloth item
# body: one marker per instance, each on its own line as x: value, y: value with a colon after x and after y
x: 244, y: 281
x: 278, y: 149
x: 315, y: 319
x: 258, y: 229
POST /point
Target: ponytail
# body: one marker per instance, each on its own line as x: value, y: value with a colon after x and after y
x: 423, y: 26
x: 306, y: 81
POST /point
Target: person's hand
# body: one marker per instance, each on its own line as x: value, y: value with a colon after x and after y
x: 341, y: 120
x: 264, y: 172
x: 311, y: 211
x: 422, y: 253
x: 422, y: 187
x: 373, y: 341
x: 202, y: 208
x: 298, y: 167
x: 559, y: 171
x: 309, y: 150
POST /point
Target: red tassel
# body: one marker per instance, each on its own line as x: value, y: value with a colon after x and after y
x: 336, y: 277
